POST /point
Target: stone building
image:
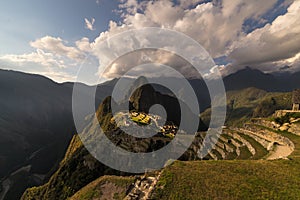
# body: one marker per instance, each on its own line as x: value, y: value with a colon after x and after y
x: 296, y: 100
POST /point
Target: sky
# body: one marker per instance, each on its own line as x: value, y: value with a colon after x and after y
x: 53, y: 38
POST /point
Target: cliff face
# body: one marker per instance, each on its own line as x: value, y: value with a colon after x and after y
x: 146, y: 96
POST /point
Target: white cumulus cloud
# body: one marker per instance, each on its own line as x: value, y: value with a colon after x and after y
x: 216, y: 25
x: 57, y: 47
x: 219, y: 26
x: 275, y: 42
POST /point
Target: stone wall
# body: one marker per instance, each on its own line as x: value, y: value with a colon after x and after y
x: 281, y: 113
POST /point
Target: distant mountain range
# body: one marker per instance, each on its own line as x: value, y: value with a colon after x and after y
x: 36, y: 123
x: 248, y: 77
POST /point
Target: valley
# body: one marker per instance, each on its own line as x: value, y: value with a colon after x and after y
x: 249, y: 121
x: 150, y: 100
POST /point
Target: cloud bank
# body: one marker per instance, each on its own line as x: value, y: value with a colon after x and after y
x: 222, y: 27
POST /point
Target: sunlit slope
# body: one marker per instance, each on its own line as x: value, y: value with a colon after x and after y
x: 234, y: 179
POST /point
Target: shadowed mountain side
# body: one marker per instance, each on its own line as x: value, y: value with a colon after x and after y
x: 36, y: 125
x: 79, y: 168
x: 248, y: 77
x: 35, y: 113
x: 146, y: 96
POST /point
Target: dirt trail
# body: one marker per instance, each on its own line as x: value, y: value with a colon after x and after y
x: 279, y: 152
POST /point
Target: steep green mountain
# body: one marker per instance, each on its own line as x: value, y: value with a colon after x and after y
x: 78, y: 168
x: 247, y: 169
x: 146, y: 96
x: 252, y: 102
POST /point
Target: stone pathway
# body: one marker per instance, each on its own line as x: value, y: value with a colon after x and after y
x: 280, y: 152
x: 143, y: 187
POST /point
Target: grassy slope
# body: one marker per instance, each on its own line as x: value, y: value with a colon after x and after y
x: 294, y: 138
x: 259, y: 179
x: 260, y: 150
x: 110, y: 187
x: 230, y: 180
x: 251, y: 102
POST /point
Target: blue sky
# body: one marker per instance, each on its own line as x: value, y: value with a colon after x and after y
x: 47, y: 37
x: 25, y: 21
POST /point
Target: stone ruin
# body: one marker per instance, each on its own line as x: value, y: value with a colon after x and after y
x: 296, y: 105
x: 296, y: 100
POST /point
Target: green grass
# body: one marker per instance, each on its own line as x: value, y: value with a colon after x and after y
x: 141, y: 119
x: 260, y: 150
x: 231, y: 156
x: 169, y: 135
x: 245, y: 104
x: 235, y: 179
x: 245, y: 153
x: 112, y: 185
x: 286, y: 118
x: 230, y: 180
x: 294, y: 138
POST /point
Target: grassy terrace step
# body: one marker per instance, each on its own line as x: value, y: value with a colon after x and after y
x: 247, y: 179
x: 217, y: 154
x: 228, y: 147
x: 294, y: 138
x: 219, y: 146
x: 227, y: 137
x: 231, y: 138
x: 231, y: 156
x: 234, y: 179
x: 245, y: 154
x: 260, y: 150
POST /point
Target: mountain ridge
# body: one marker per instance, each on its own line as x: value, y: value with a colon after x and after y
x: 42, y: 109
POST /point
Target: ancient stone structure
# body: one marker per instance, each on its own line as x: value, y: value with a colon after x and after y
x: 296, y: 100
x: 296, y: 105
